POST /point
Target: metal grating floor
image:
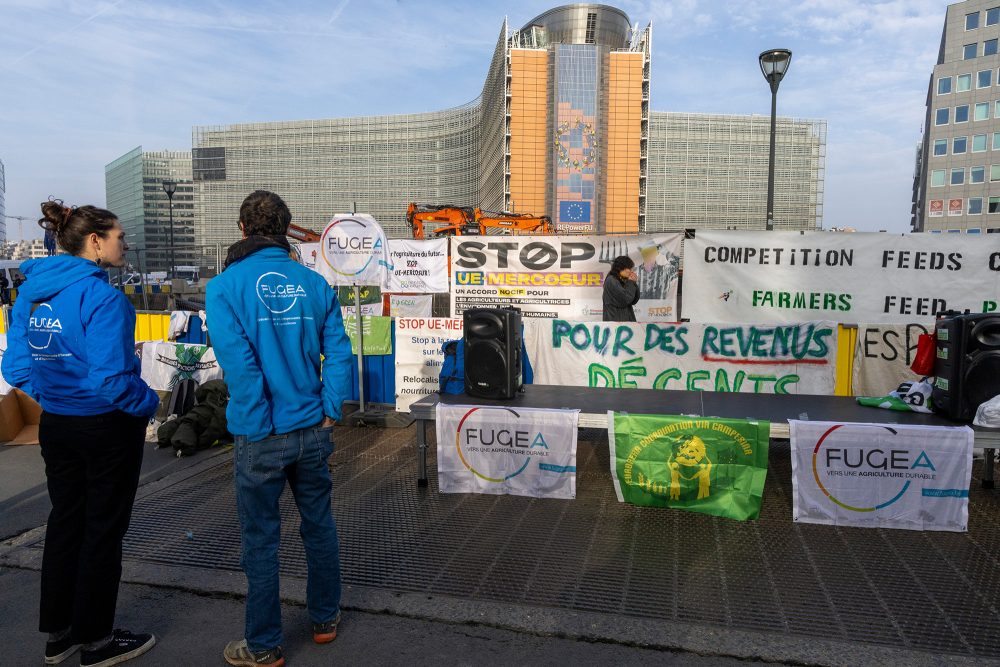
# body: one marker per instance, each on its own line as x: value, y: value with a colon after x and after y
x: 932, y: 591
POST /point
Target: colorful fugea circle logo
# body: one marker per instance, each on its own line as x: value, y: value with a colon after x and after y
x: 873, y: 459
x: 484, y: 438
x: 350, y: 245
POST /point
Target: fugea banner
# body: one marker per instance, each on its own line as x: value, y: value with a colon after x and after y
x: 500, y: 450
x: 555, y: 276
x: 765, y: 359
x: 419, y: 356
x: 353, y: 250
x: 418, y: 266
x: 881, y: 475
x: 860, y: 277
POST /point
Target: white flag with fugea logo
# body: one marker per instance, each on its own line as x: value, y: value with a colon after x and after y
x: 881, y: 475
x: 507, y: 450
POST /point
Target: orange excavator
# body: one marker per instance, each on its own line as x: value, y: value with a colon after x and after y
x: 430, y: 221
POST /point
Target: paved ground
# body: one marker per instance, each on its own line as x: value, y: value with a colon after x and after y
x: 182, y: 580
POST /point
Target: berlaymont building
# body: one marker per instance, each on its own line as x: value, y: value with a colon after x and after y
x: 562, y: 127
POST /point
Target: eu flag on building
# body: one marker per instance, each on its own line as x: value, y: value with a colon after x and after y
x: 574, y: 211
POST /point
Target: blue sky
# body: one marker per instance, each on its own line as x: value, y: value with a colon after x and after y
x: 84, y: 81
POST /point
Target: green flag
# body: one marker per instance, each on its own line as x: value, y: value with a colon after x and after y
x: 377, y: 331
x: 713, y: 466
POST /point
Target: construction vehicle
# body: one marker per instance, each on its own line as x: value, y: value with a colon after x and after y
x: 430, y: 221
x: 301, y: 234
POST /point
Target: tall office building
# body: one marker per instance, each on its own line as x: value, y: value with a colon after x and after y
x: 562, y: 127
x: 957, y: 174
x: 134, y: 189
x: 3, y: 211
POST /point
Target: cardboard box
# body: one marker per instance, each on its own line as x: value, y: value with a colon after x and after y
x: 19, y: 417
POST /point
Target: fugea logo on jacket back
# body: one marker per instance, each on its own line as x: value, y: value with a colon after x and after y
x: 41, y: 326
x: 277, y: 292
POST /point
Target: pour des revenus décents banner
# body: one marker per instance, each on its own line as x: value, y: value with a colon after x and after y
x: 562, y: 276
x: 765, y: 359
x: 859, y: 277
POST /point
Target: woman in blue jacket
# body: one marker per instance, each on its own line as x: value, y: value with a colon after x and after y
x: 71, y: 348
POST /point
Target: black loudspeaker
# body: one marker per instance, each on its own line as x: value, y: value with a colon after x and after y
x: 492, y: 352
x: 967, y: 363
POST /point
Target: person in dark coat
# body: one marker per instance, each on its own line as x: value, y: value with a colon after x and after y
x: 4, y: 291
x: 621, y: 291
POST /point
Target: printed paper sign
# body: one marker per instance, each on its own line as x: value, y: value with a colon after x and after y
x: 764, y: 359
x: 411, y: 305
x: 165, y: 364
x: 712, y: 466
x: 552, y: 276
x: 419, y: 355
x: 354, y: 251
x: 500, y: 450
x: 881, y: 475
x: 851, y: 278
x: 377, y: 333
x: 418, y: 266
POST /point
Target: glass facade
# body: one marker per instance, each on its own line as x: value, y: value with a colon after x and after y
x: 561, y: 127
x: 576, y: 138
x: 710, y: 172
x: 134, y: 190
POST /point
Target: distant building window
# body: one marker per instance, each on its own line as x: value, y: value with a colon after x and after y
x: 993, y: 230
x: 963, y: 82
x: 208, y: 164
x: 962, y: 113
x: 972, y: 21
x: 984, y: 79
x: 993, y: 16
x: 975, y: 230
x: 941, y: 146
x: 954, y: 231
x: 982, y: 111
x: 975, y: 206
x: 978, y: 143
x: 996, y: 109
x: 990, y: 47
x: 996, y: 141
x: 977, y: 174
x: 959, y: 145
x: 969, y: 51
x: 944, y: 85
x: 941, y: 116
x: 958, y: 176
x: 937, y: 178
x: 994, y: 173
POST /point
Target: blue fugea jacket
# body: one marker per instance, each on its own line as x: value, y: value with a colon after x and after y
x: 270, y: 319
x: 71, y: 343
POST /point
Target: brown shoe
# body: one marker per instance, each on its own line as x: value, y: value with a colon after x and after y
x: 239, y: 654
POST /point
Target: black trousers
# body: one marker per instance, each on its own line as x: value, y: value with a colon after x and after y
x: 92, y: 465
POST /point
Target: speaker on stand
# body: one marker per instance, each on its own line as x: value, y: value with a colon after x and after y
x: 966, y: 364
x: 492, y: 352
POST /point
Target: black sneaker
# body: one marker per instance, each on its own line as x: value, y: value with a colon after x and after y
x: 56, y: 652
x: 324, y: 633
x: 123, y: 646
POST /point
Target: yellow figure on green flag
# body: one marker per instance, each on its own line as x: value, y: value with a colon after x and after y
x: 713, y: 466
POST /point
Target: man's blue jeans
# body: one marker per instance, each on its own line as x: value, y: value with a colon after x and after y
x: 262, y: 468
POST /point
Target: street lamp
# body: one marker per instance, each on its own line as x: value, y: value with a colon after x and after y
x: 773, y: 64
x: 170, y: 187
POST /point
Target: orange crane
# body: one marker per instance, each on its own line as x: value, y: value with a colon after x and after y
x: 447, y: 220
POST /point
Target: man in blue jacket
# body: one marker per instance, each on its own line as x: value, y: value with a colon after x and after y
x: 270, y: 319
